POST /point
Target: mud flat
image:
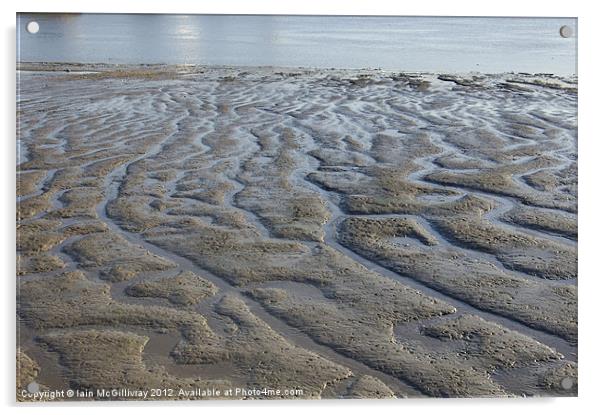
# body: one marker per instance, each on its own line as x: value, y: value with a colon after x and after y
x: 325, y: 233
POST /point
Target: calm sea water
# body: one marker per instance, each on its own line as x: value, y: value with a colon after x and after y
x: 435, y: 44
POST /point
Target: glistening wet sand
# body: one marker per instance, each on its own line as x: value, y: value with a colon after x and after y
x: 348, y: 233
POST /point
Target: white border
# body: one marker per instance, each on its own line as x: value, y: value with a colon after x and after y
x: 590, y: 153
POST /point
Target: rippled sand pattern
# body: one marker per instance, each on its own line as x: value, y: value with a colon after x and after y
x: 344, y: 233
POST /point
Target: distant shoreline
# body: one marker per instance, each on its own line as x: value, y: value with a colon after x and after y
x: 191, y: 68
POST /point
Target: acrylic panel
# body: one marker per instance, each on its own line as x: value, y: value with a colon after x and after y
x: 295, y: 207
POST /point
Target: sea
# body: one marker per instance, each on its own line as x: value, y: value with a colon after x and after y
x: 424, y: 44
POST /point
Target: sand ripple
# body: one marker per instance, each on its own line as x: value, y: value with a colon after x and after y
x: 373, y: 234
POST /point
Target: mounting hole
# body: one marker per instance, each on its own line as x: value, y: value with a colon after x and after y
x: 33, y: 27
x: 33, y: 387
x: 566, y: 31
x: 567, y: 383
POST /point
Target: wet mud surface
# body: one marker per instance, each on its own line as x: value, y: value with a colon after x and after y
x: 350, y: 234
